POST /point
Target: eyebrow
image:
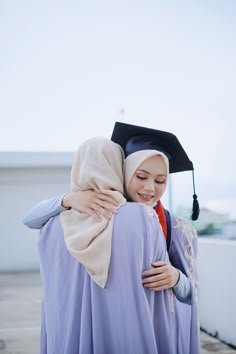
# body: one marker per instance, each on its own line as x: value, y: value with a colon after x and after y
x: 159, y: 175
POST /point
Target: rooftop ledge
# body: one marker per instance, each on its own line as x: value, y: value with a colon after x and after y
x: 21, y: 159
x: 211, y: 240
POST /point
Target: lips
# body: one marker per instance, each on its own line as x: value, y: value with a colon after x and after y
x: 145, y: 197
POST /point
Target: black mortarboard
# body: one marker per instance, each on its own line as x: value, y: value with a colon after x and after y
x: 134, y: 138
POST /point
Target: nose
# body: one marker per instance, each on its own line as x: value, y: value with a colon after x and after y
x: 149, y: 185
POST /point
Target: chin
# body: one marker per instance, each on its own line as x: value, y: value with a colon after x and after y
x: 148, y: 203
x: 151, y: 204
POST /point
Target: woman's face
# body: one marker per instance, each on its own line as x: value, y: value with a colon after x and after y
x: 149, y: 181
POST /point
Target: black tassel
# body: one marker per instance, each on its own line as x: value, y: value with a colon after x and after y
x: 196, y: 209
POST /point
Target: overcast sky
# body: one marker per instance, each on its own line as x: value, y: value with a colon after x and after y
x: 70, y: 69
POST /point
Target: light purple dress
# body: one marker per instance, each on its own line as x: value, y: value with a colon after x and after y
x: 79, y: 317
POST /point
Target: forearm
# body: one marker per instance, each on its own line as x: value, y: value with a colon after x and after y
x: 43, y: 211
x: 182, y: 289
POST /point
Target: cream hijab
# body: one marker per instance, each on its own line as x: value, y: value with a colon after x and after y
x: 134, y: 160
x: 98, y: 165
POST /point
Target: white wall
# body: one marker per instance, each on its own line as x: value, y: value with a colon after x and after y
x: 20, y: 189
x: 217, y: 282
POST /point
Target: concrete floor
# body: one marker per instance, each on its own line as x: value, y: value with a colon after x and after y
x: 20, y: 301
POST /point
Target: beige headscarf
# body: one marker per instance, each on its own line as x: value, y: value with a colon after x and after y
x: 98, y: 165
x: 134, y: 160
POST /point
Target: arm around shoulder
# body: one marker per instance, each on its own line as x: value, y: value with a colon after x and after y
x: 39, y: 214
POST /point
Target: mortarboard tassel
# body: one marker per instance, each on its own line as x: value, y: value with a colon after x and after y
x: 196, y: 208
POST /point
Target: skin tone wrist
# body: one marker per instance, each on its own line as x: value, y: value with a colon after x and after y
x: 65, y: 203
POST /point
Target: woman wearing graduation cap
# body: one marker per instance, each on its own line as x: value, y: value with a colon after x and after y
x: 133, y: 138
x: 150, y: 156
x: 93, y: 298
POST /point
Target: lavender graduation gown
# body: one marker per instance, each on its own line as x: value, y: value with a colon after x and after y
x: 182, y: 254
x: 79, y: 317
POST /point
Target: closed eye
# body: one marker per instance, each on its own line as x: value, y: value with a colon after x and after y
x: 139, y: 177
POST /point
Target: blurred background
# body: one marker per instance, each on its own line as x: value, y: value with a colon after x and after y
x: 70, y: 69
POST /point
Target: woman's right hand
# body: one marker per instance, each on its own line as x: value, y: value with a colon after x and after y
x: 92, y: 203
x: 161, y: 277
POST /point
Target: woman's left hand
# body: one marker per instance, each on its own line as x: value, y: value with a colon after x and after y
x: 162, y: 276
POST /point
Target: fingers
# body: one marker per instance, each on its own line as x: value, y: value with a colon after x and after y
x: 157, y: 285
x: 105, y: 205
x: 94, y: 214
x: 100, y: 211
x: 155, y: 270
x: 106, y: 198
x: 159, y: 288
x: 97, y: 213
x: 159, y: 263
x: 102, y: 205
x: 157, y: 282
x: 154, y: 279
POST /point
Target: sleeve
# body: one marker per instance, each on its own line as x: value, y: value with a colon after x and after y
x: 182, y: 254
x: 183, y: 289
x: 39, y: 214
x: 175, y: 258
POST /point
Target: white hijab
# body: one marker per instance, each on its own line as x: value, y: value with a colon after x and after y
x: 134, y: 160
x: 98, y: 165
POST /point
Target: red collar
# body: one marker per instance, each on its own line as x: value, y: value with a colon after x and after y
x: 162, y: 217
